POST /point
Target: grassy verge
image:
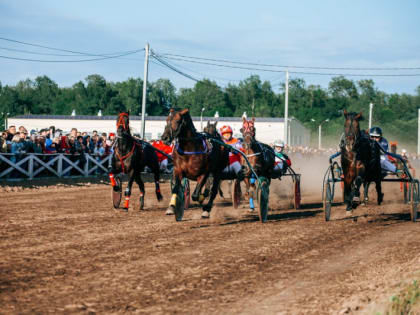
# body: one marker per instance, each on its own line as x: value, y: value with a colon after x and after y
x: 407, y: 301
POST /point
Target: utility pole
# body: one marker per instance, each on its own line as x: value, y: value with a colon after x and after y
x: 418, y: 133
x: 370, y: 115
x: 286, y: 109
x: 143, y: 103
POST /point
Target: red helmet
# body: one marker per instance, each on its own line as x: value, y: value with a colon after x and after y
x: 226, y: 129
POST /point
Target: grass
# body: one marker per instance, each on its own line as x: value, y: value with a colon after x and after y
x: 407, y: 301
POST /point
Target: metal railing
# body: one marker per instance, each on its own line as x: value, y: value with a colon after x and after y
x: 33, y: 165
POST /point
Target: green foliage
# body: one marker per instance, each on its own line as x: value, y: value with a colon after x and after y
x: 395, y: 113
x: 407, y: 301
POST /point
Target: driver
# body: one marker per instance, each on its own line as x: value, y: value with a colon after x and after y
x: 281, y: 161
x: 234, y: 158
x: 375, y: 133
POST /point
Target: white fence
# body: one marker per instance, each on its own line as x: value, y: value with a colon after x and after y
x: 32, y: 165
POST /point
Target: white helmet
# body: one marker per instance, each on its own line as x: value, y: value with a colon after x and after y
x: 279, y: 143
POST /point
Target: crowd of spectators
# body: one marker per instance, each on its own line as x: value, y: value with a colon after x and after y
x: 18, y: 142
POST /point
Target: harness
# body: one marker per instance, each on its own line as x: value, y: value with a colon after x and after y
x: 206, y: 150
x: 121, y: 123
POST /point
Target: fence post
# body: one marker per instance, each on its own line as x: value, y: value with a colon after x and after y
x: 31, y: 166
x: 60, y: 165
x: 86, y: 168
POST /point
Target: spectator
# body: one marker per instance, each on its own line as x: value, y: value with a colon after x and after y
x: 11, y: 133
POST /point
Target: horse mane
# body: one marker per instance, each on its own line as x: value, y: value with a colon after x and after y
x: 189, y: 121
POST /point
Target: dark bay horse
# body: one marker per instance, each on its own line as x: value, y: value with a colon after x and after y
x: 360, y: 161
x: 194, y: 157
x: 260, y: 156
x: 130, y: 157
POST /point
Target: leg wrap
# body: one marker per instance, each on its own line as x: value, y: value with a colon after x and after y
x: 127, y: 198
x: 112, y: 179
x: 173, y: 200
x: 252, y: 180
x: 251, y: 203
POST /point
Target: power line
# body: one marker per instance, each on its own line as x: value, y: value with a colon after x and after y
x: 165, y: 63
x: 291, y: 66
x: 63, y: 55
x: 59, y: 49
x: 298, y: 72
x: 71, y: 61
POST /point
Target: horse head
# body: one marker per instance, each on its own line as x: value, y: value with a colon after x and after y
x: 351, y: 129
x: 177, y: 124
x: 123, y: 123
x: 211, y: 129
x: 248, y: 131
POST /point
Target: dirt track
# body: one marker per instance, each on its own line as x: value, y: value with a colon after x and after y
x: 64, y: 249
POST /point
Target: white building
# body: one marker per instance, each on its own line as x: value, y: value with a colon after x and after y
x: 267, y: 129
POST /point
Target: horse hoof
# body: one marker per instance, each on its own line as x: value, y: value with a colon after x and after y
x: 170, y: 211
x: 251, y: 210
x: 159, y: 197
x: 349, y: 213
x: 205, y: 214
x: 125, y: 209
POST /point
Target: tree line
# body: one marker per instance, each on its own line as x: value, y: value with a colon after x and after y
x: 310, y: 104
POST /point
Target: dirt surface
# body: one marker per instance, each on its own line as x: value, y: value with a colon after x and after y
x: 63, y: 249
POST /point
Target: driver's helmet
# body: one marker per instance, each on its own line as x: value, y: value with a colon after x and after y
x: 226, y: 129
x: 375, y: 132
x: 278, y: 144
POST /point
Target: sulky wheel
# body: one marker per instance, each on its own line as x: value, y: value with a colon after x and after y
x: 236, y: 193
x: 297, y: 198
x: 414, y: 201
x: 180, y: 202
x: 116, y: 193
x: 187, y: 192
x: 263, y: 192
x: 327, y: 198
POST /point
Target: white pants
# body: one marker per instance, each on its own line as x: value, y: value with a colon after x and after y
x: 163, y: 165
x: 278, y: 167
x: 386, y: 164
x: 235, y: 167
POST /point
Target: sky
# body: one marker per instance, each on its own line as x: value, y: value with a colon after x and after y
x: 327, y: 34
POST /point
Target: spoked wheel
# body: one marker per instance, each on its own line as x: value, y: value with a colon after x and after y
x: 297, y: 198
x: 263, y: 192
x: 116, y: 193
x: 236, y: 193
x: 414, y: 194
x: 327, y: 199
x: 180, y: 200
x: 187, y: 192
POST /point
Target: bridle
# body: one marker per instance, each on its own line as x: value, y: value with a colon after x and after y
x: 122, y: 123
x: 352, y: 132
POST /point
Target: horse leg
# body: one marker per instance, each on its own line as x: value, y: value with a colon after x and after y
x: 356, y: 192
x: 379, y: 191
x: 366, y: 192
x: 175, y: 190
x: 112, y: 176
x: 139, y: 182
x: 127, y: 192
x: 201, y: 180
x: 157, y: 186
x: 348, y: 195
x: 213, y: 194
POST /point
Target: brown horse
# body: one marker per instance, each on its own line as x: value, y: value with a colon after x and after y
x: 194, y: 157
x: 360, y: 161
x: 130, y: 157
x: 260, y: 156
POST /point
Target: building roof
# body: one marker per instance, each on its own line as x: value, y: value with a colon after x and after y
x: 133, y: 117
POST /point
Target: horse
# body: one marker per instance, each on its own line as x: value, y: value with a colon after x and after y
x: 194, y: 157
x: 260, y: 156
x: 130, y: 157
x: 360, y: 161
